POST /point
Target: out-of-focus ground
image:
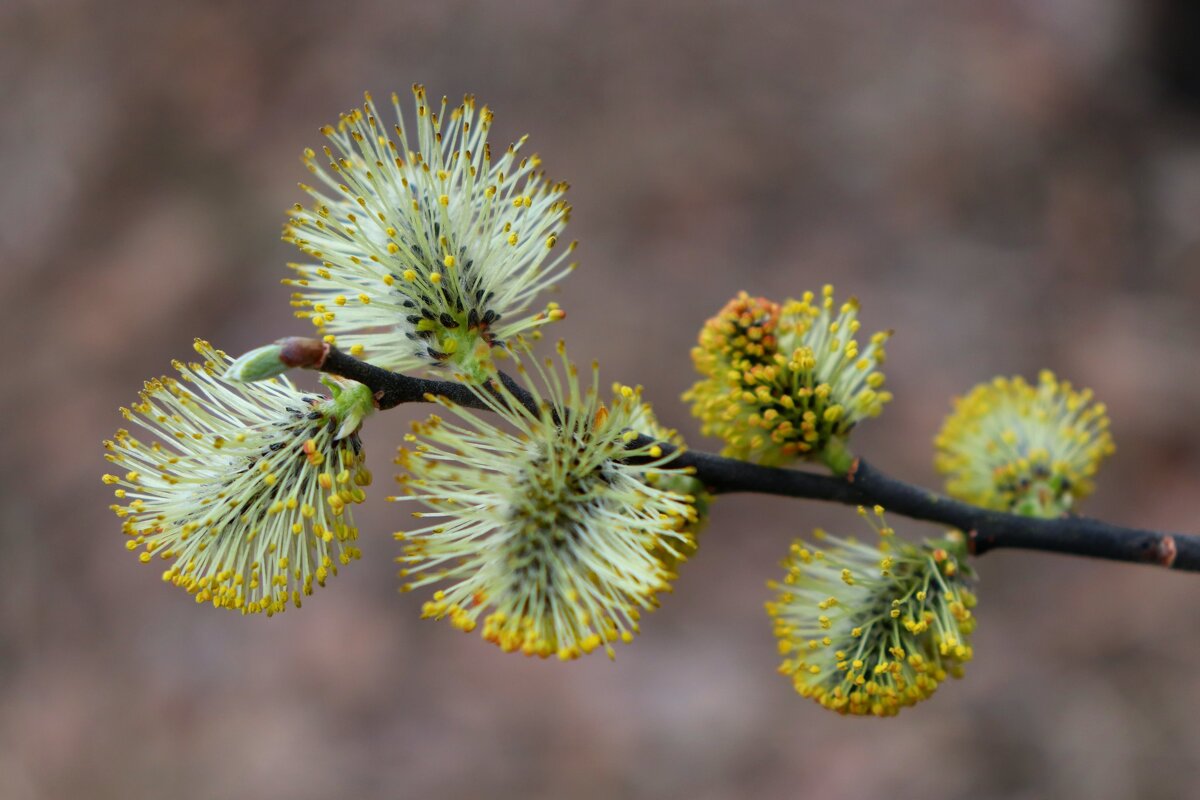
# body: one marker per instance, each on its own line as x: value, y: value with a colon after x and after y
x: 1009, y: 185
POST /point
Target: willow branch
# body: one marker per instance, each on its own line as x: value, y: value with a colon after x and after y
x: 864, y: 484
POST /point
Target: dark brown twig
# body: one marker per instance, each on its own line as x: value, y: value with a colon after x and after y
x: 864, y: 485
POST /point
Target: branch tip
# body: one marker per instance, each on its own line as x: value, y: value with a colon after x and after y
x: 299, y: 352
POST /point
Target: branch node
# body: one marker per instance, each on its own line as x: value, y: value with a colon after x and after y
x: 1165, y: 551
x: 853, y: 471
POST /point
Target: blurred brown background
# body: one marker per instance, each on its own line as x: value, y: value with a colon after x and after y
x: 1009, y: 184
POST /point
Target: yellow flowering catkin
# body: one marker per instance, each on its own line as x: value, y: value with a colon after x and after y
x: 782, y: 382
x: 245, y: 489
x: 872, y: 629
x: 1031, y: 449
x: 542, y: 534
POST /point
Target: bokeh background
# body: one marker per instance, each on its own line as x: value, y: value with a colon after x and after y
x: 1009, y: 184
